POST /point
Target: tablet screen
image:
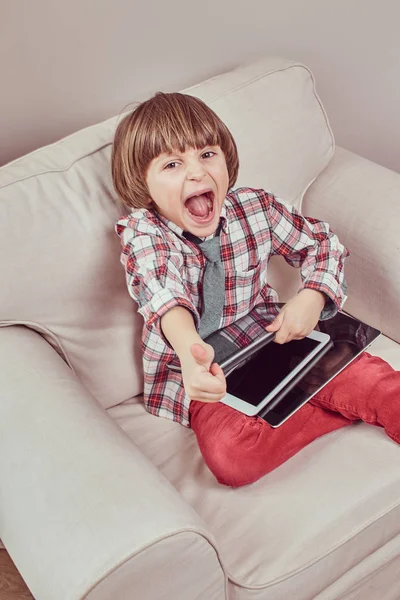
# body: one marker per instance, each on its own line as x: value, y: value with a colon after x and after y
x: 259, y: 375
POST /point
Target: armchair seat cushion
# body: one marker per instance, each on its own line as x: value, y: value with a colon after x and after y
x: 322, y: 521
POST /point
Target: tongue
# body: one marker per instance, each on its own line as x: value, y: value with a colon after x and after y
x: 198, y: 205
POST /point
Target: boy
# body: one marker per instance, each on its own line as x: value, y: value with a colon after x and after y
x: 174, y: 162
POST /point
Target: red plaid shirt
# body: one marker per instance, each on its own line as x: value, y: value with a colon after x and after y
x: 164, y: 269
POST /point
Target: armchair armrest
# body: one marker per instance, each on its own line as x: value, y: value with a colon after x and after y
x: 361, y: 201
x: 83, y: 513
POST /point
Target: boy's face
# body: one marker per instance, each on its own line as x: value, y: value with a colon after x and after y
x: 189, y: 188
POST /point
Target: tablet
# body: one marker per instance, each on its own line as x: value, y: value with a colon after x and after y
x: 229, y: 356
x: 349, y: 337
x: 235, y: 344
x: 267, y: 371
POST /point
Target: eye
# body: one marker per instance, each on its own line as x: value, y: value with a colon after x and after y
x: 208, y: 154
x: 171, y: 165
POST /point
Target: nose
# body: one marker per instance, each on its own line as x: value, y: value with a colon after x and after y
x: 195, y: 170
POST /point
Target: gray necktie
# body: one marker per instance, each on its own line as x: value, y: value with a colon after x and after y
x: 213, y: 283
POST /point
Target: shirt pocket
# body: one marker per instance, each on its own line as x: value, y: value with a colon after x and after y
x: 243, y: 289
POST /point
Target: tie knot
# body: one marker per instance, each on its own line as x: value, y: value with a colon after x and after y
x: 211, y: 249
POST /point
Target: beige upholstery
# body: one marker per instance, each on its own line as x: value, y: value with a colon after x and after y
x: 99, y: 499
x: 58, y: 209
x: 305, y: 527
x: 360, y: 199
x: 79, y: 501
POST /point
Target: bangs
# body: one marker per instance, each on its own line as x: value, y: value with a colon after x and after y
x: 182, y: 137
x: 175, y: 122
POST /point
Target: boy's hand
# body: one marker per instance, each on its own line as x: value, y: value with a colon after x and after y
x: 203, y: 379
x: 298, y: 317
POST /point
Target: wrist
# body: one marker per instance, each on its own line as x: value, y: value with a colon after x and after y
x: 317, y: 296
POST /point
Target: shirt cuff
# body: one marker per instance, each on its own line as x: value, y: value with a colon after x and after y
x: 160, y: 304
x: 335, y: 294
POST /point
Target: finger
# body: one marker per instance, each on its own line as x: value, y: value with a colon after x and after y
x: 211, y: 384
x: 276, y: 323
x: 207, y: 384
x: 198, y: 352
x: 200, y: 355
x: 207, y: 397
x: 289, y: 332
x: 299, y: 335
x: 218, y: 373
x: 283, y: 336
x: 207, y: 387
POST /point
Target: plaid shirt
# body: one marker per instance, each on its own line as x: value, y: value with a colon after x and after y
x: 164, y: 269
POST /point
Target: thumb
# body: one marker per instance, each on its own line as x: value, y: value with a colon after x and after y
x: 201, y: 355
x: 276, y: 323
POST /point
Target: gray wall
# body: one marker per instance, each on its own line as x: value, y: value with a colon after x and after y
x: 65, y: 65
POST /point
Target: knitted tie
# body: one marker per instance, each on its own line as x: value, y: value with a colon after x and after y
x: 213, y: 283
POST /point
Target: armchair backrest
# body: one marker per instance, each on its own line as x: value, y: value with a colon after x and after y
x: 59, y: 268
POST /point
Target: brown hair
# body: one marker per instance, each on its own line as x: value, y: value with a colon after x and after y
x: 164, y: 123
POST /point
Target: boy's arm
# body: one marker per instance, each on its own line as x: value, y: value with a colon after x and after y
x: 310, y: 245
x: 154, y: 279
x: 179, y: 329
x: 203, y: 379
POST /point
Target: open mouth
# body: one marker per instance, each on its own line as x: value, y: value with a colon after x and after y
x: 201, y: 206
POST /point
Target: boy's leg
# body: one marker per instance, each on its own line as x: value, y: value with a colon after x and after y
x: 368, y: 389
x: 239, y: 449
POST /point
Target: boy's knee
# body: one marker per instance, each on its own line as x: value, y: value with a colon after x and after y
x: 231, y: 444
x: 233, y: 470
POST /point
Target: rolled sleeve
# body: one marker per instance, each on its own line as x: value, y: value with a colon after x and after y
x: 310, y: 245
x: 154, y: 276
x: 335, y: 293
x: 161, y: 303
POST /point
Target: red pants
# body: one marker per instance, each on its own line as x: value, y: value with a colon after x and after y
x: 239, y: 449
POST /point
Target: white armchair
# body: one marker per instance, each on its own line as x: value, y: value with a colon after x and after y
x: 98, y: 498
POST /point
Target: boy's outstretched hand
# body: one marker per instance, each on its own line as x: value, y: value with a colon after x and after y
x: 298, y: 317
x: 203, y: 379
